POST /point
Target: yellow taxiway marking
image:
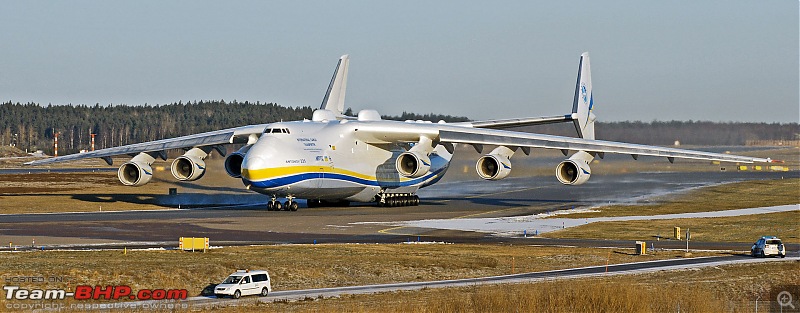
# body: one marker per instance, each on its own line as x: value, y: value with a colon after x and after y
x: 388, y: 230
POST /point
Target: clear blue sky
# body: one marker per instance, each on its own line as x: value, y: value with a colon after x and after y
x: 651, y: 60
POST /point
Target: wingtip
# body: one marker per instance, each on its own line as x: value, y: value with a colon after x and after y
x: 346, y: 56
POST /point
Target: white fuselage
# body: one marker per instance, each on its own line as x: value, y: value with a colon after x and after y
x: 331, y: 160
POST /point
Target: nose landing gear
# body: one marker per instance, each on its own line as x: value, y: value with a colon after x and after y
x: 289, y: 205
x: 274, y: 205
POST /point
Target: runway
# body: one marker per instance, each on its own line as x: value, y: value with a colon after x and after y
x: 252, y: 224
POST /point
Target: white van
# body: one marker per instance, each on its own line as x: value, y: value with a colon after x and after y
x: 243, y: 283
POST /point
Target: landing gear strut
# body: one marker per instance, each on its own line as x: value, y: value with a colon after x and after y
x: 397, y: 200
x: 274, y: 205
x: 289, y: 205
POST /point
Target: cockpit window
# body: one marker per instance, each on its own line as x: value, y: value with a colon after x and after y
x: 276, y: 131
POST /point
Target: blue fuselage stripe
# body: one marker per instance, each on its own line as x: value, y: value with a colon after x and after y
x: 298, y: 178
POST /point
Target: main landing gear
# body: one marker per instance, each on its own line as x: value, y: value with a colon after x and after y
x: 289, y: 205
x: 397, y: 200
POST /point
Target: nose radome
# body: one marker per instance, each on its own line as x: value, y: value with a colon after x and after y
x: 251, y: 163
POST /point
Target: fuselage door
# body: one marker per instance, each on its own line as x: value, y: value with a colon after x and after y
x: 325, y: 168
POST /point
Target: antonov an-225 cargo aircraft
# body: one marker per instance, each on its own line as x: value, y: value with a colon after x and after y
x: 334, y: 159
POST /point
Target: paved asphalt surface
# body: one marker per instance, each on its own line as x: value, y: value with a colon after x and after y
x: 250, y: 223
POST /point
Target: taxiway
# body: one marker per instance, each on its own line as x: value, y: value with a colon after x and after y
x: 249, y: 223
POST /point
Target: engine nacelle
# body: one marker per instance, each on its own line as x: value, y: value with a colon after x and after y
x: 413, y: 164
x: 233, y: 163
x: 573, y: 171
x: 493, y: 166
x: 135, y: 173
x: 188, y: 167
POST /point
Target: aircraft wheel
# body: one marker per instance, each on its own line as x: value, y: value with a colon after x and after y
x: 277, y: 206
x: 293, y: 206
x: 270, y: 206
x: 416, y: 200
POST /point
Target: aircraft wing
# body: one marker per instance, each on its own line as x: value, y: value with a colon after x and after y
x: 244, y: 134
x: 517, y: 122
x: 479, y: 137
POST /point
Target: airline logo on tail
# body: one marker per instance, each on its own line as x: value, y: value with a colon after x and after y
x: 583, y: 92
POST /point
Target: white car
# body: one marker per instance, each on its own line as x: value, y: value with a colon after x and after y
x: 243, y: 283
x: 768, y: 245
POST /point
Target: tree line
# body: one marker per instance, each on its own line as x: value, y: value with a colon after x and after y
x: 31, y: 126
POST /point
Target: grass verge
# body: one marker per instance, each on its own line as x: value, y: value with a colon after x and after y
x: 784, y: 225
x: 742, y: 195
x: 728, y: 288
x: 306, y: 266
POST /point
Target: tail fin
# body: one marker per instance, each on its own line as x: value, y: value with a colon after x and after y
x: 334, y: 97
x: 583, y: 103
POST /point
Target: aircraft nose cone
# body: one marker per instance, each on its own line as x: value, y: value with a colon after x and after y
x: 250, y: 165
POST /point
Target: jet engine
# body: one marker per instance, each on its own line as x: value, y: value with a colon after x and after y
x: 137, y: 171
x: 575, y: 170
x: 413, y: 164
x: 233, y: 163
x: 189, y: 166
x: 493, y: 166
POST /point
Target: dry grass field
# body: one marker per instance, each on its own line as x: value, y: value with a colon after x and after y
x: 309, y: 266
x: 88, y: 192
x: 785, y: 225
x: 748, y: 228
x: 729, y: 288
x: 742, y: 195
x: 314, y: 266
